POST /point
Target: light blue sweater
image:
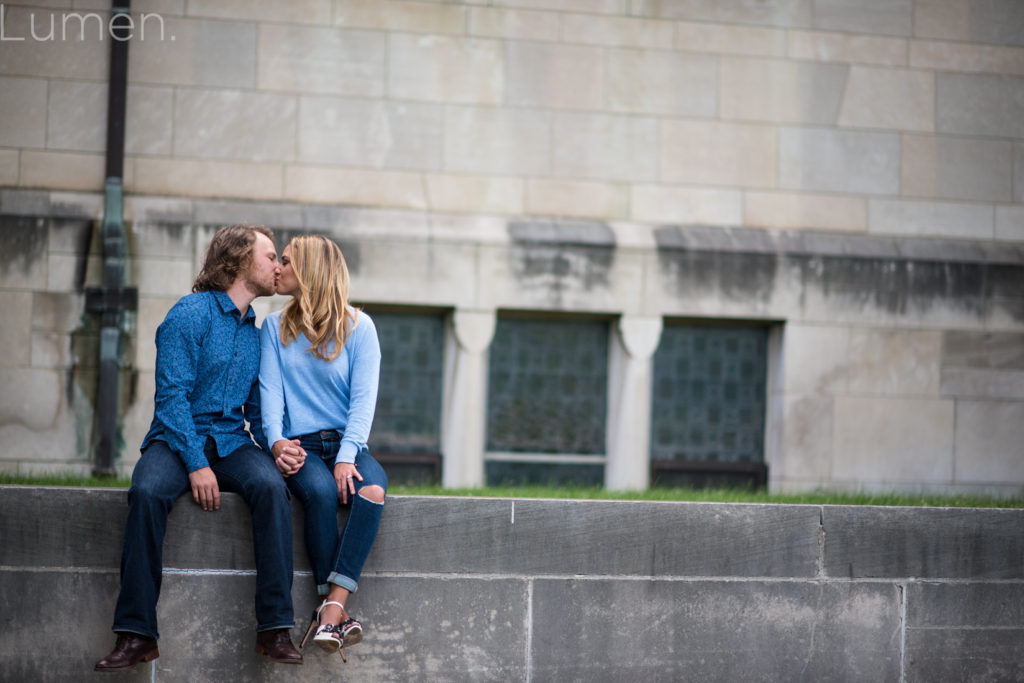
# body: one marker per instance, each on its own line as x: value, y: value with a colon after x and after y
x: 302, y: 394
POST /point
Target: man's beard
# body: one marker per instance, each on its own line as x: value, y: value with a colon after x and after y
x: 261, y: 288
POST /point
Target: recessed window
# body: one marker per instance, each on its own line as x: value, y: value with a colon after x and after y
x: 407, y: 423
x: 547, y: 399
x: 708, y: 404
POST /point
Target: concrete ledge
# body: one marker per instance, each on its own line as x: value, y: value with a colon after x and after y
x: 462, y: 589
x: 940, y: 543
x: 710, y: 630
x: 599, y: 538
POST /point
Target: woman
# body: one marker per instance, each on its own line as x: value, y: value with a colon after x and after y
x: 319, y: 367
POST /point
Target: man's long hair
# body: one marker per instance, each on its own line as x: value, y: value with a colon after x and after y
x: 228, y: 256
x: 320, y: 308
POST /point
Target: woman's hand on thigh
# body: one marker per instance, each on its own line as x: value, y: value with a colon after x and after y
x: 345, y: 475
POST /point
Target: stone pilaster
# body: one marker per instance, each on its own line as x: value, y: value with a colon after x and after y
x: 464, y: 413
x: 629, y: 402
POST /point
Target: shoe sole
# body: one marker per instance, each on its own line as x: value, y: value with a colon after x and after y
x: 331, y: 644
x: 286, y: 661
x: 263, y: 651
x: 327, y: 644
x: 142, y: 660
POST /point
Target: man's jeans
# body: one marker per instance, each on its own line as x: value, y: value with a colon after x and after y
x: 158, y: 481
x: 336, y: 558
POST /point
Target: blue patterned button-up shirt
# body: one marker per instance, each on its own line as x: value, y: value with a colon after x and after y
x: 207, y: 366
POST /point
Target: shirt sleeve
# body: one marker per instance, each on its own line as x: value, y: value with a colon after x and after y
x: 271, y: 389
x: 178, y: 345
x: 363, y: 395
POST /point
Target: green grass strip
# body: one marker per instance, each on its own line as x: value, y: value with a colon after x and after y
x: 720, y: 496
x: 596, y: 493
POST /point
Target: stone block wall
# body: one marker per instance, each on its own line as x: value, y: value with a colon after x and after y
x: 463, y: 589
x: 848, y: 172
x: 886, y: 118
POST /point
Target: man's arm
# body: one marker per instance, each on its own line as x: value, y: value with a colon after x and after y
x: 178, y: 346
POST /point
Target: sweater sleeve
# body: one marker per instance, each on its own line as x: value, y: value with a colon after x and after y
x: 365, y: 364
x: 271, y: 387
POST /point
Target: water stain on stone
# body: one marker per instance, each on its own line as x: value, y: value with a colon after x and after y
x: 83, y: 377
x: 23, y: 241
x: 561, y: 256
x: 697, y: 262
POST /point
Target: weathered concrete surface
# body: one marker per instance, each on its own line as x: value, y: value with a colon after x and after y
x: 965, y: 631
x: 874, y: 542
x: 712, y: 630
x: 461, y: 589
x: 599, y: 538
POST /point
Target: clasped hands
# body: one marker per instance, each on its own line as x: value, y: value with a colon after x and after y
x: 289, y: 456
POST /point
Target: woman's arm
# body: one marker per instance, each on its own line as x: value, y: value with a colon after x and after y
x: 272, y: 403
x: 288, y: 454
x: 365, y: 365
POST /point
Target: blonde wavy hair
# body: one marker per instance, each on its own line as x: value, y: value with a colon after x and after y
x: 320, y: 309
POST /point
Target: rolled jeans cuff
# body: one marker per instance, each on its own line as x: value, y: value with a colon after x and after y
x: 136, y: 631
x: 343, y: 581
x: 261, y: 629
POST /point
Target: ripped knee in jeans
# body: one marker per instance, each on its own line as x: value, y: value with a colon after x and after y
x: 373, y: 494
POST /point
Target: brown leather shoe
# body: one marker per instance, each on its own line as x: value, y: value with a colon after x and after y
x: 130, y: 649
x: 277, y: 644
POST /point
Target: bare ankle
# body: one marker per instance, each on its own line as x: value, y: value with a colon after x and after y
x: 331, y: 614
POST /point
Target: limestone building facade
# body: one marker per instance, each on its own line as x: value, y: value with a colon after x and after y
x: 608, y: 241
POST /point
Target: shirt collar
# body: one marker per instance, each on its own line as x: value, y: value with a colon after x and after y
x: 228, y: 306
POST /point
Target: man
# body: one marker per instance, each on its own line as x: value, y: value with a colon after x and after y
x: 207, y: 362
